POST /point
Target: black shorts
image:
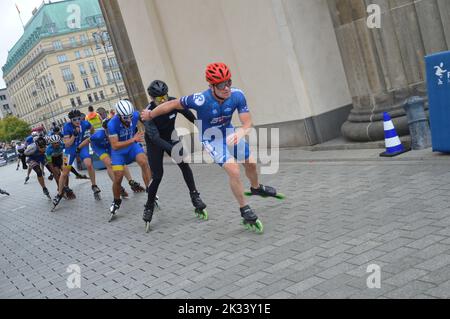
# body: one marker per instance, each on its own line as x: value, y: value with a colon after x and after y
x: 58, y: 161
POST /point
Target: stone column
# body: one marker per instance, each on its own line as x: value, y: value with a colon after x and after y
x: 385, y: 66
x: 124, y: 52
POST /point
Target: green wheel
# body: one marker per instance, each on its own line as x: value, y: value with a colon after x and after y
x: 248, y: 194
x: 202, y: 214
x: 280, y: 196
x: 259, y: 227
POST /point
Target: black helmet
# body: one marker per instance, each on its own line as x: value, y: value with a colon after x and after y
x: 74, y: 113
x: 157, y: 88
x: 41, y: 142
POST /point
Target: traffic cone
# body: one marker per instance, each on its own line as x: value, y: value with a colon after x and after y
x: 394, y: 146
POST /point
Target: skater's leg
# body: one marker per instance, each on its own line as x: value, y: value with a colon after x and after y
x: 90, y: 169
x: 234, y: 175
x: 156, y: 164
x: 127, y: 174
x: 188, y: 176
x: 142, y: 161
x: 107, y: 161
x: 117, y: 185
x: 251, y: 171
x: 64, y: 179
x: 75, y: 172
x: 39, y: 174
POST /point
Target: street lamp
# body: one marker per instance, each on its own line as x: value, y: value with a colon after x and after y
x: 101, y: 36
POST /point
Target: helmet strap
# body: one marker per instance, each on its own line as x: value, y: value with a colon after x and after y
x: 215, y: 95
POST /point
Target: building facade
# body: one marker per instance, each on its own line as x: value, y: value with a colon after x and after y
x: 63, y: 61
x: 315, y: 69
x: 7, y: 107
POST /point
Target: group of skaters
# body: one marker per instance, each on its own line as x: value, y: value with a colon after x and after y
x: 117, y: 142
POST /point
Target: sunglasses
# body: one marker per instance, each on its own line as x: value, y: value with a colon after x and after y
x: 76, y: 119
x: 127, y: 118
x: 223, y: 85
x: 161, y: 99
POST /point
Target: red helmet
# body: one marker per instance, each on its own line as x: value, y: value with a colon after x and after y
x: 217, y: 73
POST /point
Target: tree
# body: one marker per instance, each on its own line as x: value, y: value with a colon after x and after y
x: 12, y: 128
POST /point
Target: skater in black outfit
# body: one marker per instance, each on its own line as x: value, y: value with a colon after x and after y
x: 158, y: 136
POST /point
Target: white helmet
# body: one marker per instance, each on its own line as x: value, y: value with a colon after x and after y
x: 55, y: 139
x: 34, y: 134
x: 124, y: 108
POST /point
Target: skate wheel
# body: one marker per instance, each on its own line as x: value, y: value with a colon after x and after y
x: 113, y: 216
x: 258, y: 227
x: 202, y: 214
x: 147, y: 227
x: 280, y: 196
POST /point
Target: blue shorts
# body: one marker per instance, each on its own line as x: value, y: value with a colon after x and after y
x: 125, y: 156
x: 101, y: 152
x: 71, y: 155
x: 221, y: 152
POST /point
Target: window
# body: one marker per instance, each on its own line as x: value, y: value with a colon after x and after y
x: 67, y: 74
x: 118, y: 76
x: 71, y: 87
x: 62, y: 58
x: 92, y: 67
x: 2, y: 97
x: 51, y: 28
x: 112, y: 90
x: 73, y: 41
x: 82, y: 69
x: 77, y: 55
x: 102, y: 96
x: 121, y: 88
x: 86, y: 84
x: 96, y: 80
x: 90, y: 98
x: 113, y: 62
x: 72, y: 101
x: 83, y: 39
x: 88, y: 52
x: 96, y: 96
x: 79, y: 101
x: 57, y: 45
x: 108, y: 76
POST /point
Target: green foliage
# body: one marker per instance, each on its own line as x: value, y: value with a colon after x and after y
x: 12, y: 128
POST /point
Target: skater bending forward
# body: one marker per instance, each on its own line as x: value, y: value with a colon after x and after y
x: 225, y: 144
x: 125, y: 148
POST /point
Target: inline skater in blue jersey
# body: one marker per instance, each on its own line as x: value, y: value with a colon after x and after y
x: 74, y: 133
x: 102, y: 148
x: 126, y: 149
x: 225, y: 144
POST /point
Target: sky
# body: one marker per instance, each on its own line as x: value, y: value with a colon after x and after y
x: 11, y: 27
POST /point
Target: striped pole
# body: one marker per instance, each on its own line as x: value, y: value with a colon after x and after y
x: 393, y: 144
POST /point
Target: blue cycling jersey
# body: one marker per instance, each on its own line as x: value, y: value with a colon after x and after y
x: 55, y: 152
x: 100, y: 140
x: 211, y: 112
x: 117, y: 129
x: 37, y: 156
x: 69, y: 130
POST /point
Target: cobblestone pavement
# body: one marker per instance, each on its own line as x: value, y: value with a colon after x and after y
x: 338, y: 219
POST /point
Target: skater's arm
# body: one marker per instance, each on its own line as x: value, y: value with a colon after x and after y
x: 243, y: 131
x: 161, y: 110
x: 84, y: 143
x: 69, y: 140
x: 31, y: 149
x: 117, y: 145
x: 188, y: 115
